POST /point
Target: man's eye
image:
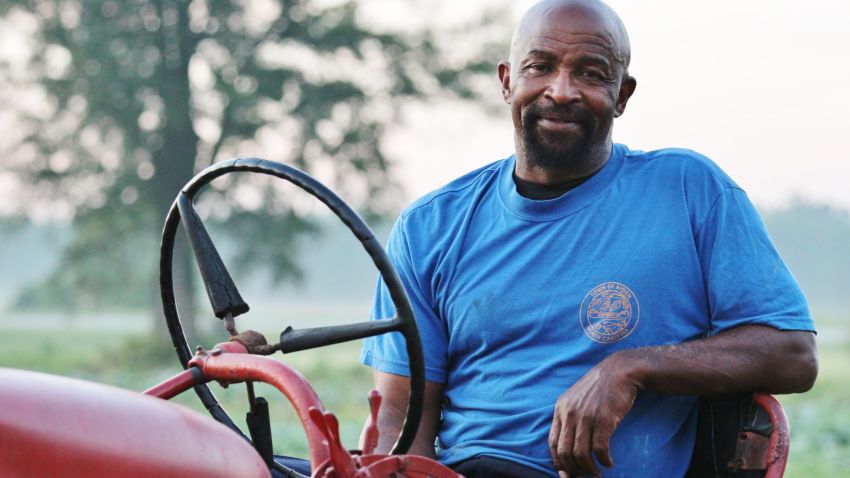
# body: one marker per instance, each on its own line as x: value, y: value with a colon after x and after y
x: 538, y: 67
x: 592, y: 75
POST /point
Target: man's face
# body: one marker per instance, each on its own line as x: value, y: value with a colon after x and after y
x: 565, y: 85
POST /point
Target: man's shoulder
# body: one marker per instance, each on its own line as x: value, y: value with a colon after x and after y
x: 690, y: 165
x: 457, y: 193
x: 428, y: 226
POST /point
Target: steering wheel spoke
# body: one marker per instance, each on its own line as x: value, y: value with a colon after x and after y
x: 292, y: 340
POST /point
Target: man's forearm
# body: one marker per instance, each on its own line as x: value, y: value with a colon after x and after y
x: 749, y: 358
x: 389, y: 424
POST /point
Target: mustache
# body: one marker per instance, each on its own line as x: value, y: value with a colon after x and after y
x: 555, y: 112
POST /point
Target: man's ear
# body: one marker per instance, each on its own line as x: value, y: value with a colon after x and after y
x: 505, y: 79
x: 627, y: 88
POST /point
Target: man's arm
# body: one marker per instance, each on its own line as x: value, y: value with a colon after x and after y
x: 747, y: 358
x: 395, y: 390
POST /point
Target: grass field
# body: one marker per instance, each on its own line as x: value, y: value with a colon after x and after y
x: 820, y: 420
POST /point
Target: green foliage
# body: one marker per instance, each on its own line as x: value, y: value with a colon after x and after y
x: 70, y: 353
x: 820, y: 426
x: 140, y: 95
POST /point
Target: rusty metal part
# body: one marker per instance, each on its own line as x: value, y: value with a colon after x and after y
x: 255, y: 343
x: 750, y: 452
x: 230, y: 362
x: 230, y: 325
x: 58, y: 426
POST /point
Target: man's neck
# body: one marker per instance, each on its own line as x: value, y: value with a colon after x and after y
x: 539, y: 192
x: 574, y: 170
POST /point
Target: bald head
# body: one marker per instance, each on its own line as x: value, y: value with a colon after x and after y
x: 566, y: 81
x: 588, y: 15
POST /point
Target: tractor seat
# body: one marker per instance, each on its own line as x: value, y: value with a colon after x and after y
x: 740, y: 436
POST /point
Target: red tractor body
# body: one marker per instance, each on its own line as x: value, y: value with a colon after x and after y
x: 57, y: 426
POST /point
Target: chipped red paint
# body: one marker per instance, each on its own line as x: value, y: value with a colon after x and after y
x: 780, y: 439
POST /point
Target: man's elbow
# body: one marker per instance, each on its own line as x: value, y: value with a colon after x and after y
x: 807, y: 369
x: 798, y: 364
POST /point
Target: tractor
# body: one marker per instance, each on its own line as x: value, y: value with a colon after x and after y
x: 56, y: 426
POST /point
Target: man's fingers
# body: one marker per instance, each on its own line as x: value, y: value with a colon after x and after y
x: 582, y: 453
x: 554, y: 437
x: 602, y: 446
x: 565, y: 448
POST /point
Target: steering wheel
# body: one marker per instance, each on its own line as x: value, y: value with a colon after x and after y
x: 227, y: 303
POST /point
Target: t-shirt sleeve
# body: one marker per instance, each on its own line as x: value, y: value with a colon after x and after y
x: 387, y: 352
x: 746, y: 280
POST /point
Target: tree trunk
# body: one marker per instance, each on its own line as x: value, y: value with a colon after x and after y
x: 175, y: 162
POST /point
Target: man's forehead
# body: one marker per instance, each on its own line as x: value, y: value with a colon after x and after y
x: 555, y: 40
x: 571, y: 22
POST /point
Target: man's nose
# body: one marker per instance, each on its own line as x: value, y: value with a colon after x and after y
x: 562, y: 89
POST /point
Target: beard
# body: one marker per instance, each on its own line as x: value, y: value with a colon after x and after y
x: 550, y: 150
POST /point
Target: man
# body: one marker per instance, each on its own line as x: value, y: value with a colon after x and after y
x: 575, y: 299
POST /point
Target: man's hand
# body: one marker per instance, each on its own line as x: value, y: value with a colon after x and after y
x: 586, y: 416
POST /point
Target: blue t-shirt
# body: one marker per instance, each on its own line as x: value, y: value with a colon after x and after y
x: 516, y: 299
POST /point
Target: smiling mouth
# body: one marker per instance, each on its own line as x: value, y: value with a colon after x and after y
x: 558, y: 124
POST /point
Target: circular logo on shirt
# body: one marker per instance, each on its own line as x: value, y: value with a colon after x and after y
x: 609, y: 312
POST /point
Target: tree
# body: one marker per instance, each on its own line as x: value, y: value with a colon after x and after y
x: 134, y: 97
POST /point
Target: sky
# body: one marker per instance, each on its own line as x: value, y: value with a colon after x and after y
x: 761, y: 87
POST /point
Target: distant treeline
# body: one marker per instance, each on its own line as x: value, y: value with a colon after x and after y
x: 813, y: 239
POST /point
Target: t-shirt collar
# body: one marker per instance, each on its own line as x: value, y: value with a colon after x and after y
x: 561, y: 206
